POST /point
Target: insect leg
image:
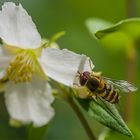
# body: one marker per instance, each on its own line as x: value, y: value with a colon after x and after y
x: 75, y: 84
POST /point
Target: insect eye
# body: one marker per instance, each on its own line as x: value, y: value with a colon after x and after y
x: 83, y: 80
x: 86, y: 74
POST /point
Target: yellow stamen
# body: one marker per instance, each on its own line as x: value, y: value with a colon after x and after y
x: 22, y: 67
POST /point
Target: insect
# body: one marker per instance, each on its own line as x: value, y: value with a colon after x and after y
x: 103, y: 87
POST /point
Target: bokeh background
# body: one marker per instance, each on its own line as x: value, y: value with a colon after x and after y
x: 51, y: 16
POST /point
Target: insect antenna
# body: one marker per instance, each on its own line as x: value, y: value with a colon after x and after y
x: 76, y: 84
x: 77, y: 76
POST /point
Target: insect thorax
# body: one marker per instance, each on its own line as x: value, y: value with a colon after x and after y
x: 93, y: 84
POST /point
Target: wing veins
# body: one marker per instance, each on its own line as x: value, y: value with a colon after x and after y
x: 122, y: 85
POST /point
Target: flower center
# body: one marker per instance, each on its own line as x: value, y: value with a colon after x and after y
x: 22, y: 67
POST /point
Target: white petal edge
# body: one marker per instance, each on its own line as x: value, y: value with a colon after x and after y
x: 17, y: 28
x: 30, y: 103
x: 62, y: 65
x: 4, y: 62
x: 2, y: 73
x: 86, y: 65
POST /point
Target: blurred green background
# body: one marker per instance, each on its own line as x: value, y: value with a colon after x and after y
x: 51, y: 16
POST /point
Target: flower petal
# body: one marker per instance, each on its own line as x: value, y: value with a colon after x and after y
x: 30, y: 102
x: 2, y: 73
x: 4, y: 59
x: 62, y: 65
x: 86, y: 65
x: 17, y: 28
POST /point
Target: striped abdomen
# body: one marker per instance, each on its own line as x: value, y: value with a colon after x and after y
x: 102, y: 89
x: 109, y: 94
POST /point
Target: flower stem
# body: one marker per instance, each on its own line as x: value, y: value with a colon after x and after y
x: 131, y: 70
x: 66, y: 95
x: 131, y: 60
x: 81, y: 117
x: 131, y: 8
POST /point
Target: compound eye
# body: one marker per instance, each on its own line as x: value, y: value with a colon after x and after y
x: 86, y: 74
x: 83, y: 80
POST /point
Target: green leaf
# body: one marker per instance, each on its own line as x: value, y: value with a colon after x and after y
x: 120, y: 36
x: 115, y: 136
x: 96, y: 24
x: 117, y: 41
x: 100, y: 28
x: 130, y: 27
x: 105, y: 113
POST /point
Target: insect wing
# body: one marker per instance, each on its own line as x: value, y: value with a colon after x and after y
x: 122, y: 85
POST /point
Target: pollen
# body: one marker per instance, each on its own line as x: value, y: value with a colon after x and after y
x: 22, y: 67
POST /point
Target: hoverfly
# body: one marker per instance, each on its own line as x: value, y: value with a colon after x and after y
x: 103, y: 87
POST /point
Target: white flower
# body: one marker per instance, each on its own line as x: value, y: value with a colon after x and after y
x: 25, y: 65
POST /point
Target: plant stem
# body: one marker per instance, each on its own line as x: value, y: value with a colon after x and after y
x: 131, y: 8
x: 131, y: 66
x: 131, y: 70
x: 66, y: 95
x: 81, y: 117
